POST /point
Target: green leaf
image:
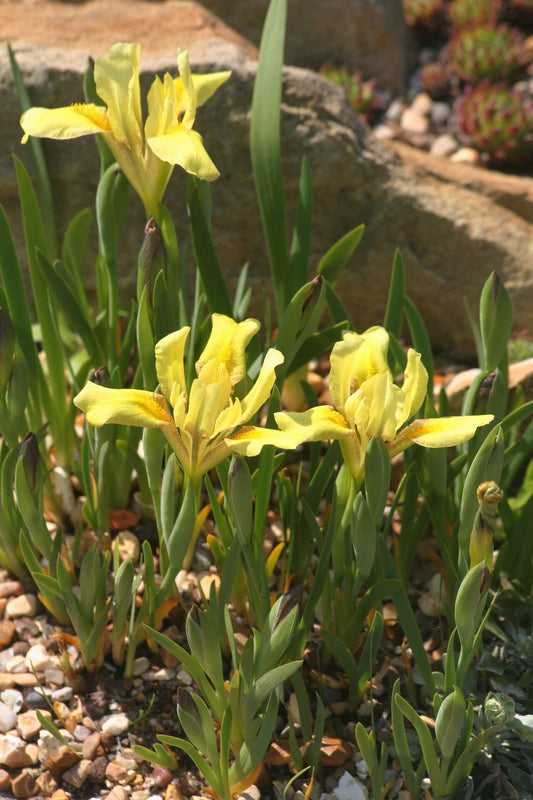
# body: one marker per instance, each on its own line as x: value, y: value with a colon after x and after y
x: 42, y: 180
x: 420, y: 338
x: 301, y: 239
x: 265, y: 147
x: 333, y: 262
x: 426, y: 743
x: 213, y: 280
x: 395, y: 303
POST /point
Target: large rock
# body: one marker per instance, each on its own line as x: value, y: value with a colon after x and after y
x: 452, y: 233
x: 366, y: 35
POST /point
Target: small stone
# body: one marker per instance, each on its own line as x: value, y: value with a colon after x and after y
x: 466, y: 155
x: 55, y: 676
x: 422, y: 104
x: 81, y: 733
x: 439, y: 114
x: 115, y: 725
x: 38, y: 658
x: 349, y: 788
x: 97, y: 770
x: 116, y: 773
x: 77, y: 774
x: 47, y: 783
x: 91, y: 745
x: 10, y: 588
x: 8, y: 718
x: 429, y: 604
x: 13, y: 752
x: 15, y: 664
x: 25, y: 605
x: 5, y: 780
x: 184, y: 677
x: 24, y: 785
x: 161, y: 776
x: 117, y: 793
x: 12, y: 698
x: 395, y: 111
x: 63, y: 695
x: 414, y: 122
x: 443, y: 146
x: 128, y: 546
x: 35, y: 699
x: 140, y: 665
x: 25, y: 679
x: 206, y: 581
x: 28, y: 725
x: 60, y: 794
x: 7, y: 631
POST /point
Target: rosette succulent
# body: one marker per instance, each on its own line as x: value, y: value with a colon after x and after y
x: 360, y: 93
x: 497, y: 121
x: 421, y: 12
x: 462, y: 13
x: 435, y: 79
x: 484, y: 51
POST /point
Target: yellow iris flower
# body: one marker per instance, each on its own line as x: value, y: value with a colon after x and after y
x: 366, y: 403
x: 146, y: 153
x: 198, y: 422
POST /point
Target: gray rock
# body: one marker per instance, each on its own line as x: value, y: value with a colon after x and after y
x: 451, y: 232
x: 370, y: 36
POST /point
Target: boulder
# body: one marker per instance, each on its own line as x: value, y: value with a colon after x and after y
x: 370, y: 36
x: 452, y: 232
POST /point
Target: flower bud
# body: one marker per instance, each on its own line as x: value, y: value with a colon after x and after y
x: 364, y: 535
x: 449, y: 722
x: 152, y: 258
x: 495, y: 321
x: 31, y: 460
x: 7, y: 348
x: 499, y: 708
x: 481, y: 548
x: 470, y: 602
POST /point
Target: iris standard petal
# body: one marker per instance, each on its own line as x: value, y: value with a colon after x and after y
x: 69, y: 122
x: 206, y: 85
x: 439, y: 432
x: 341, y: 382
x: 117, y: 83
x: 169, y: 356
x: 227, y: 344
x: 123, y: 407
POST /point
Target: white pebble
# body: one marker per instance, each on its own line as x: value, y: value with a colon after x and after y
x: 8, y: 718
x: 115, y: 725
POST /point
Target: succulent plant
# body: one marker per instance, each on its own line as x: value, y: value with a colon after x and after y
x: 485, y: 51
x: 498, y: 121
x: 360, y: 93
x: 435, y: 79
x: 463, y: 13
x: 421, y: 12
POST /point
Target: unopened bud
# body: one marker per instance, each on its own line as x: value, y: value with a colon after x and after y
x: 449, y: 722
x: 499, y: 708
x: 152, y: 258
x: 470, y: 601
x: 31, y: 460
x: 489, y: 495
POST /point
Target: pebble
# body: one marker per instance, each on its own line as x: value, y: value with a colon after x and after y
x: 5, y: 780
x: 117, y: 793
x: 12, y: 698
x: 414, y: 122
x: 97, y: 769
x: 140, y: 665
x: 466, y: 155
x: 24, y: 785
x: 8, y: 718
x: 128, y: 546
x: 25, y: 605
x: 29, y: 725
x: 115, y: 725
x: 62, y: 695
x: 77, y: 774
x: 349, y: 788
x: 13, y: 752
x: 38, y: 658
x: 35, y: 699
x: 422, y: 104
x: 55, y: 676
x: 91, y: 745
x: 439, y: 114
x: 444, y: 146
x: 16, y: 664
x: 7, y: 631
